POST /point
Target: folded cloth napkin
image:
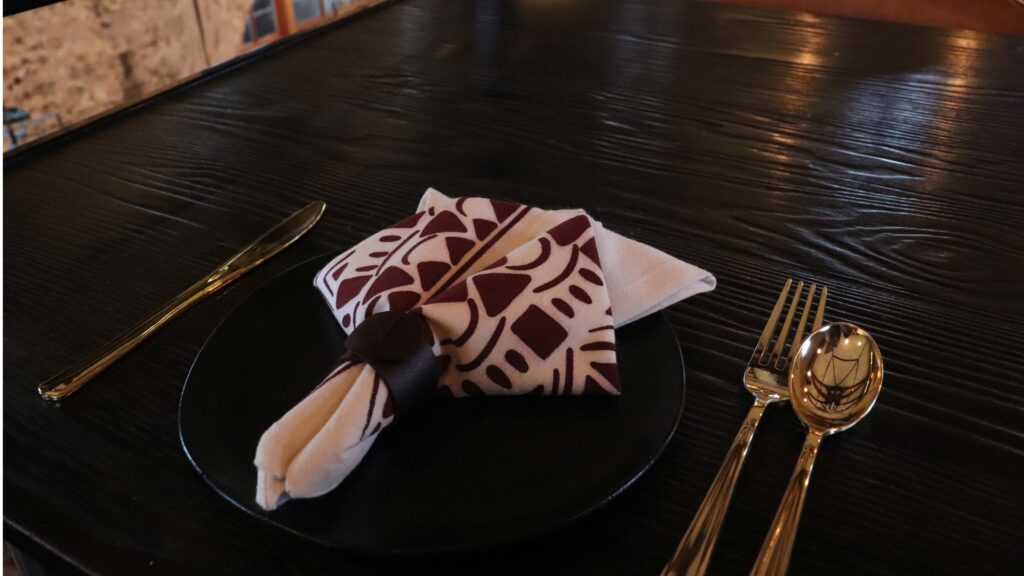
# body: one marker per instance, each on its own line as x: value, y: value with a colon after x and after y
x: 512, y: 300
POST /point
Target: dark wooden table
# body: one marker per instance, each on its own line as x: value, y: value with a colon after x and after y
x: 886, y: 161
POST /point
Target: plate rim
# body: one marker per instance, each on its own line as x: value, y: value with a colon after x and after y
x: 506, y: 538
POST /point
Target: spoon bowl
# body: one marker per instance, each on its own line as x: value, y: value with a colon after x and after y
x: 835, y: 378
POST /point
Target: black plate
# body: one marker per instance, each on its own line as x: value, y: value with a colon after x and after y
x: 459, y: 473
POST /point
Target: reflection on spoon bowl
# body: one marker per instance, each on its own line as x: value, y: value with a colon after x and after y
x: 836, y: 377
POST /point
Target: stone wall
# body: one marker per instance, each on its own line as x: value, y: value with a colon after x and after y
x: 81, y: 57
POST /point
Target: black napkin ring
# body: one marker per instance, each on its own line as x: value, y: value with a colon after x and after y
x: 398, y: 346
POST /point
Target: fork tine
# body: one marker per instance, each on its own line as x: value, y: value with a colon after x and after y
x: 819, y: 316
x: 769, y: 327
x: 780, y: 342
x: 799, y: 336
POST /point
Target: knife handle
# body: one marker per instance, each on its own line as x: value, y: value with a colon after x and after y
x: 67, y: 381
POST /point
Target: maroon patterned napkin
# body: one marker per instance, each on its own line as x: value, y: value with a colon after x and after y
x: 501, y: 298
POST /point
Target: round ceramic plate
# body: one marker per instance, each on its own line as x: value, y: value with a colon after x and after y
x: 457, y: 474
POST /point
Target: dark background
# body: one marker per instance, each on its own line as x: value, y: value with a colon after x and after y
x: 16, y: 6
x: 882, y: 160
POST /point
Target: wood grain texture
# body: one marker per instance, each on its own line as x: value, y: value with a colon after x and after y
x: 883, y: 160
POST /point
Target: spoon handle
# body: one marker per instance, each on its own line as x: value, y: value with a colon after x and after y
x: 774, y: 557
x: 694, y: 552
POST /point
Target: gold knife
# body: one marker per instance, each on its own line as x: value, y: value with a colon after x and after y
x: 276, y: 239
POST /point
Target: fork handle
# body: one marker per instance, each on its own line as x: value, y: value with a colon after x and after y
x: 694, y: 552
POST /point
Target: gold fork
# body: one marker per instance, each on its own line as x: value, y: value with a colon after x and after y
x: 765, y: 378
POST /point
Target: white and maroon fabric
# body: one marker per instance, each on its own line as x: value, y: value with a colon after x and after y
x: 519, y: 300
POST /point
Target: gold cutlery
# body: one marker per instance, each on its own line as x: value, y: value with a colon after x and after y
x: 276, y: 239
x: 834, y: 381
x: 765, y: 378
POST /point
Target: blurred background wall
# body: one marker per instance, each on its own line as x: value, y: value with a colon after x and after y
x: 81, y: 57
x: 75, y: 59
x: 223, y: 26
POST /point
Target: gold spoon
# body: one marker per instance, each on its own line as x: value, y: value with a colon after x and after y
x: 833, y: 383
